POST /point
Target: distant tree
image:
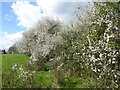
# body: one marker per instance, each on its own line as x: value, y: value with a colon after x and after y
x: 13, y: 50
x: 4, y: 52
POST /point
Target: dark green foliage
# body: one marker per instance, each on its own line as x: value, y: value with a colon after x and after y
x: 71, y: 82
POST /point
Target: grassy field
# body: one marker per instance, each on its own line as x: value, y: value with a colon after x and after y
x: 8, y: 60
x: 43, y: 79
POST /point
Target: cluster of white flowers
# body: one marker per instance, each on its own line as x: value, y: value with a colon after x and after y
x: 104, y: 52
x: 60, y: 66
x: 101, y: 53
x: 39, y: 40
x: 23, y: 74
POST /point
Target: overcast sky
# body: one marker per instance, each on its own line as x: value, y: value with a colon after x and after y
x: 21, y: 15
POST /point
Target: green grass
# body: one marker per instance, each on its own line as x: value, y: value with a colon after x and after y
x: 45, y: 79
x: 72, y: 82
x: 8, y: 60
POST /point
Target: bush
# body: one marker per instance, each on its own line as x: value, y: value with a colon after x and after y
x: 104, y: 44
x: 18, y: 77
x: 38, y: 41
x: 82, y: 49
x: 93, y: 51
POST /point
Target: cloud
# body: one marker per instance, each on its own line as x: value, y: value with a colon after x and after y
x: 64, y: 10
x: 8, y: 40
x: 27, y: 14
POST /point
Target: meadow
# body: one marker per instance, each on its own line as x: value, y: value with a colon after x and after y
x: 42, y: 79
x: 8, y: 60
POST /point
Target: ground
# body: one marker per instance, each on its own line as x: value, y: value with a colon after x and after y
x: 44, y: 79
x: 8, y: 60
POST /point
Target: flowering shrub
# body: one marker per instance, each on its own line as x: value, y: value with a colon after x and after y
x: 93, y: 51
x: 38, y: 41
x: 19, y: 77
x: 87, y: 48
x: 104, y: 44
x: 22, y: 72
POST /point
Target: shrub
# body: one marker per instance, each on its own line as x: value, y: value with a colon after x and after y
x: 93, y: 51
x: 38, y: 41
x: 18, y: 77
x: 104, y: 44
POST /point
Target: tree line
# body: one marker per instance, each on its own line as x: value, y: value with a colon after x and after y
x: 89, y: 47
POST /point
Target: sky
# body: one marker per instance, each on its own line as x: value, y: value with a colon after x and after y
x: 21, y: 15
